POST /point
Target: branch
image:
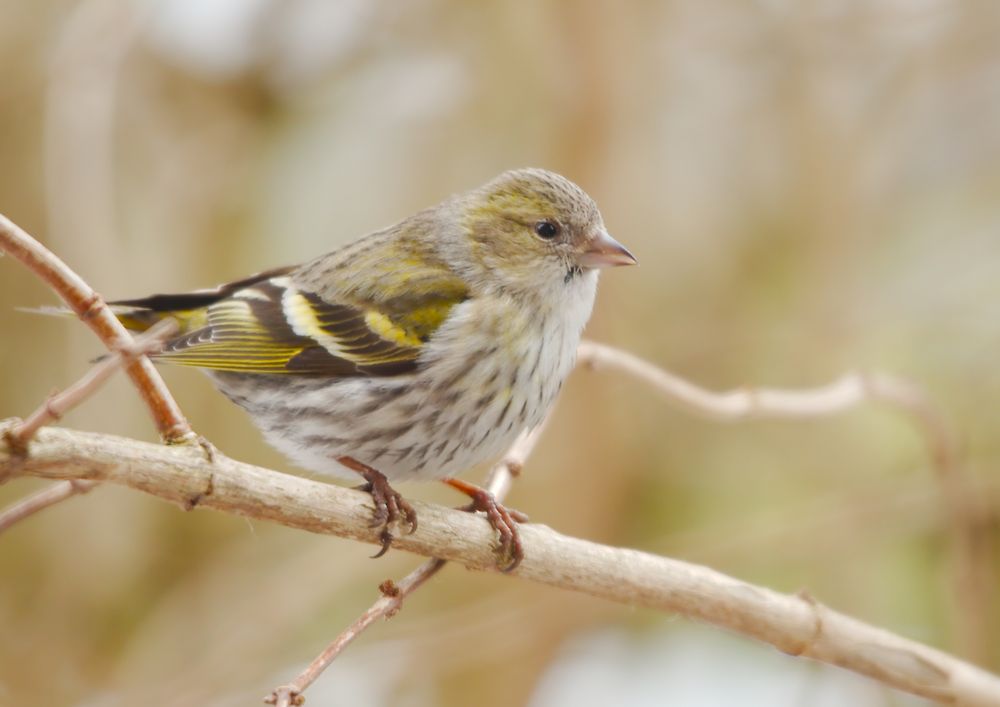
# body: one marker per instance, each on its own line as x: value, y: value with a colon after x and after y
x: 795, y: 624
x: 966, y: 512
x: 58, y: 404
x: 31, y: 505
x: 92, y: 310
x: 845, y: 393
x: 848, y: 391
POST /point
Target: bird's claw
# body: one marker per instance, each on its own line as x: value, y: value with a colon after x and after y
x: 390, y: 506
x: 504, y: 520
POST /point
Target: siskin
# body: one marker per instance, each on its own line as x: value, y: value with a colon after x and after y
x: 416, y: 352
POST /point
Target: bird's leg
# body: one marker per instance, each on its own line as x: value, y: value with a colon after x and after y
x: 390, y: 506
x: 504, y: 520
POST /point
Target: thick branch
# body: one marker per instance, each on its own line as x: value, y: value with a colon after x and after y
x: 794, y: 624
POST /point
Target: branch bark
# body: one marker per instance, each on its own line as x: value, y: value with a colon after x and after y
x: 795, y: 624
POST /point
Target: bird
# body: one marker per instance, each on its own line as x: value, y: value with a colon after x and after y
x: 415, y: 352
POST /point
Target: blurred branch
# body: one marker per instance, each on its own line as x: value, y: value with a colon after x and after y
x: 92, y: 311
x: 31, y: 505
x: 388, y: 605
x: 796, y: 624
x: 966, y: 512
x: 845, y: 393
x: 88, y: 52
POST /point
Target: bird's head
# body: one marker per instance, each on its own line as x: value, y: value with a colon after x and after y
x: 530, y: 230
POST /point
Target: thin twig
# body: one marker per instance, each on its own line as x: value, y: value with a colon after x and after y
x: 385, y: 606
x: 31, y: 505
x: 58, y: 404
x: 792, y: 623
x: 391, y: 601
x: 92, y: 310
x: 965, y: 510
x: 844, y: 393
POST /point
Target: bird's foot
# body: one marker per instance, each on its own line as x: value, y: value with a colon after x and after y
x: 504, y: 520
x: 390, y: 506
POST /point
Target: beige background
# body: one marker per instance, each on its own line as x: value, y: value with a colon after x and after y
x: 809, y: 187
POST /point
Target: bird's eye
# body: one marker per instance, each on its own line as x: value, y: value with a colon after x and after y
x: 547, y: 229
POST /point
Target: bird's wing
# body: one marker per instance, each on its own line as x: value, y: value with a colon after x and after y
x: 272, y: 324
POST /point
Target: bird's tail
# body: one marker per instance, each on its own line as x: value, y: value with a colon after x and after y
x: 137, y: 316
x: 189, y: 309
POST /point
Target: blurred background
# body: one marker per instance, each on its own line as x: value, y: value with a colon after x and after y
x: 809, y: 187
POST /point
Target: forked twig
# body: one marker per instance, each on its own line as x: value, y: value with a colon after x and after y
x: 498, y: 482
x: 91, y: 309
x: 58, y: 404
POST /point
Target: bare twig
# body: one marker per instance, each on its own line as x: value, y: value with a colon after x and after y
x: 965, y: 510
x: 386, y: 606
x: 31, y: 505
x: 92, y: 310
x: 842, y: 394
x: 792, y: 623
x: 58, y: 404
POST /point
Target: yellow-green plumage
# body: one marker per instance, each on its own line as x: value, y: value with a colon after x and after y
x: 419, y: 350
x: 276, y: 326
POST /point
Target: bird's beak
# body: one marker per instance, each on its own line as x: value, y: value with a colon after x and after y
x: 603, y: 251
